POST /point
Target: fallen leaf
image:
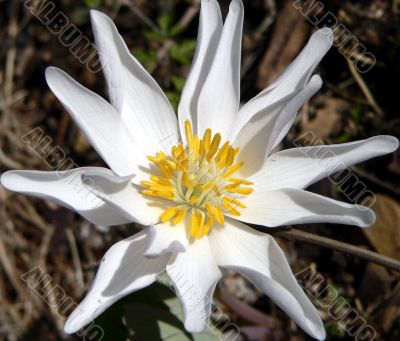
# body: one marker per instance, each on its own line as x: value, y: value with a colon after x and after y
x: 384, y: 235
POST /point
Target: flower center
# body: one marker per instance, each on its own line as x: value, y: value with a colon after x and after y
x: 197, y: 178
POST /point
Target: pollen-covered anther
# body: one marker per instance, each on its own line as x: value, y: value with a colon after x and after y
x: 197, y: 179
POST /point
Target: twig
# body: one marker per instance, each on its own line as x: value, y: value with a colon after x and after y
x: 141, y: 15
x: 368, y: 255
x: 364, y: 88
x: 75, y: 258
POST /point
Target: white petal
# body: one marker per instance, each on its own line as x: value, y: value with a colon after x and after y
x: 210, y: 28
x: 219, y: 99
x: 99, y: 121
x: 294, y: 78
x: 134, y: 93
x: 258, y: 257
x: 266, y: 129
x: 295, y: 206
x: 123, y: 270
x: 124, y: 196
x: 167, y: 238
x: 300, y: 70
x: 301, y: 167
x: 67, y: 189
x: 195, y: 275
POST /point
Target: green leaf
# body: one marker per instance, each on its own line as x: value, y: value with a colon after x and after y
x: 356, y: 113
x: 178, y: 82
x: 164, y: 22
x: 155, y: 36
x: 345, y: 137
x: 146, y: 58
x: 183, y: 52
x: 93, y: 3
x: 173, y: 98
x: 155, y: 313
x: 176, y: 30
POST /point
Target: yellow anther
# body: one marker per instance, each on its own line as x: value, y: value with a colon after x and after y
x: 190, y: 180
x: 202, y: 148
x: 207, y: 186
x: 241, y: 190
x: 169, y: 164
x: 223, y: 151
x: 197, y: 179
x: 241, y: 181
x: 165, y: 195
x: 214, y: 146
x: 193, y: 224
x: 168, y: 214
x: 179, y: 216
x: 230, y: 157
x: 162, y: 156
x: 195, y: 144
x: 200, y: 223
x: 232, y: 169
x: 193, y: 199
x: 166, y: 171
x: 216, y: 190
x: 157, y: 187
x: 154, y: 159
x: 207, y: 226
x: 146, y: 183
x: 188, y: 132
x: 219, y: 217
x: 207, y: 138
x: 234, y: 201
x: 159, y: 180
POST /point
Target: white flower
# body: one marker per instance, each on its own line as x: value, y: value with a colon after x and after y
x: 188, y: 194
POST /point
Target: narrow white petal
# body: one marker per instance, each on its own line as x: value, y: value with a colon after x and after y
x: 294, y: 78
x: 195, y: 275
x: 300, y: 70
x: 210, y: 29
x: 301, y: 167
x: 125, y: 197
x: 258, y: 257
x: 123, y: 270
x: 167, y: 238
x: 133, y: 92
x: 99, y: 121
x: 219, y: 98
x: 66, y: 188
x: 294, y: 206
x: 266, y: 129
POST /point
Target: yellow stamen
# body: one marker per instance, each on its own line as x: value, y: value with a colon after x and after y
x: 168, y: 214
x: 241, y: 181
x: 214, y: 146
x: 197, y: 179
x: 193, y: 224
x: 179, y: 216
x: 233, y: 169
x: 234, y: 201
x: 230, y: 157
x: 188, y: 132
x: 207, y: 226
x: 219, y: 217
x: 241, y: 190
x: 200, y: 222
x: 159, y: 180
x: 207, y: 138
